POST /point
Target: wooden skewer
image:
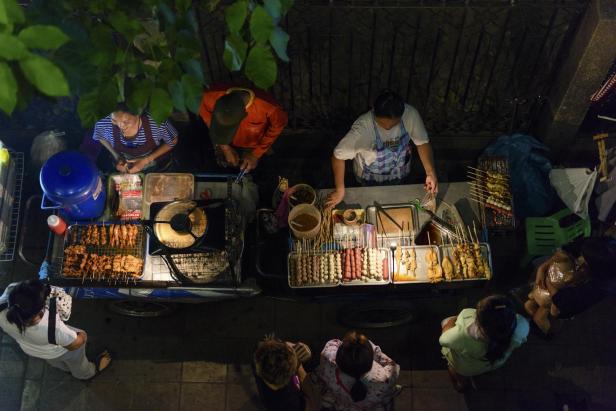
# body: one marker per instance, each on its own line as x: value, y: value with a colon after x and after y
x: 481, y: 188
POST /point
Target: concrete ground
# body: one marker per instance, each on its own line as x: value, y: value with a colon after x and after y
x: 198, y: 358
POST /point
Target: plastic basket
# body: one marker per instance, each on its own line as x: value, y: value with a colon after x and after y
x: 546, y: 234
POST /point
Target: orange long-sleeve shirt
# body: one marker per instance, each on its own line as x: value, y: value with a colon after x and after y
x: 259, y: 129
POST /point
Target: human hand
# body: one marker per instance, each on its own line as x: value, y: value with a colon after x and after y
x: 231, y: 156
x: 334, y: 198
x: 249, y: 162
x: 137, y: 165
x: 122, y: 166
x: 431, y: 183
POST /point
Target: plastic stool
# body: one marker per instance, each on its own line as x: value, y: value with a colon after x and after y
x: 545, y: 234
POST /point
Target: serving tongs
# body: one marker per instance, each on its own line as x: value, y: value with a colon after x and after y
x: 437, y: 221
x: 380, y: 209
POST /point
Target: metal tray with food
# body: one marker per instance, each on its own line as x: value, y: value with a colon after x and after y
x: 314, y: 269
x: 393, y: 220
x: 367, y: 266
x: 164, y: 187
x: 104, y: 251
x: 476, y: 267
x: 415, y: 264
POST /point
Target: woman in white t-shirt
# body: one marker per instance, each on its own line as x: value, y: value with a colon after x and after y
x: 379, y: 143
x: 24, y: 317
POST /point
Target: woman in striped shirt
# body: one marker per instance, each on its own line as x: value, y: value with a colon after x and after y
x: 143, y: 144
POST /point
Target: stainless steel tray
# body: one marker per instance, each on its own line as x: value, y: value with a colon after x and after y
x: 291, y: 264
x: 293, y: 255
x: 485, y: 251
x: 373, y: 282
x: 421, y: 272
x: 382, y: 239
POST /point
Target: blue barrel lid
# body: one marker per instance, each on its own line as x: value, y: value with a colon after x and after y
x: 68, y: 176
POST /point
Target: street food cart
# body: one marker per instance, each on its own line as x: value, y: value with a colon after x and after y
x: 387, y: 229
x: 183, y: 241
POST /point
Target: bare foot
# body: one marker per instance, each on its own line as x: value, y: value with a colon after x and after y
x: 104, y: 359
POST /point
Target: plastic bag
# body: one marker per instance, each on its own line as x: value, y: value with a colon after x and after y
x: 529, y: 169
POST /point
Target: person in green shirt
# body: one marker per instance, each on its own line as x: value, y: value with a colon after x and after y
x: 482, y: 339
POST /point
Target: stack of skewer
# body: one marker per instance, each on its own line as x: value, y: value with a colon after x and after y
x: 333, y: 265
x: 491, y: 189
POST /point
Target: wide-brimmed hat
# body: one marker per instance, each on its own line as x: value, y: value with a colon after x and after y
x: 229, y: 111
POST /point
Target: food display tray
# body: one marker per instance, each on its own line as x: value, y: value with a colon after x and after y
x: 137, y: 250
x: 485, y: 251
x: 372, y: 218
x: 164, y: 187
x: 337, y: 283
x: 421, y: 272
x: 293, y: 255
x: 495, y: 219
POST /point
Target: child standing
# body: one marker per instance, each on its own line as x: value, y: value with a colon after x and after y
x: 482, y: 339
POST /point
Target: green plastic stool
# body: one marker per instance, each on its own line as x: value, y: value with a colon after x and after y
x: 545, y: 234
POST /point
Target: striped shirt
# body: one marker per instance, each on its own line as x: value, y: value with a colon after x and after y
x: 103, y: 129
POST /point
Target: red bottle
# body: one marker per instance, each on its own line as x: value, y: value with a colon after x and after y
x: 56, y: 224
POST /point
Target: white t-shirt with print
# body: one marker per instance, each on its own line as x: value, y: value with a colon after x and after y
x: 34, y: 339
x: 359, y: 144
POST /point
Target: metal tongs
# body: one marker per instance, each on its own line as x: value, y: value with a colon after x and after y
x: 438, y: 222
x: 239, y: 177
x: 380, y: 209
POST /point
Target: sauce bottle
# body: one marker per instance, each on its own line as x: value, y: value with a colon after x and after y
x: 56, y: 224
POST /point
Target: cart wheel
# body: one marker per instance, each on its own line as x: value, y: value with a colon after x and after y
x: 370, y: 316
x: 142, y: 309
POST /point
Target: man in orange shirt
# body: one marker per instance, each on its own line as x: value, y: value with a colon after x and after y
x: 244, y: 120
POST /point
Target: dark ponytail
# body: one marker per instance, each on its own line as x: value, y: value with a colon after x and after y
x: 354, y: 358
x: 497, y: 320
x: 26, y: 301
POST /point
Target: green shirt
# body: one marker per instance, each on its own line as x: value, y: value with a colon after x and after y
x: 466, y: 354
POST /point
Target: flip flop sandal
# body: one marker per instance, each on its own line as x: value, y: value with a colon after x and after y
x: 99, y: 359
x: 302, y: 355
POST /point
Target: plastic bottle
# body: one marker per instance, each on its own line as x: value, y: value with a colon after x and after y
x: 56, y: 224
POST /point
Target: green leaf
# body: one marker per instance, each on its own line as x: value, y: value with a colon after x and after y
x: 183, y: 5
x: 44, y: 75
x: 261, y: 66
x: 235, y: 15
x: 107, y: 98
x: 138, y: 98
x: 43, y: 37
x: 286, y: 6
x: 167, y: 13
x: 177, y: 95
x: 279, y: 40
x: 4, y: 14
x: 11, y: 48
x: 8, y: 89
x: 87, y: 108
x: 261, y: 25
x: 235, y: 52
x: 193, y: 90
x: 161, y: 105
x: 13, y: 11
x: 124, y: 25
x: 273, y: 9
x: 193, y: 67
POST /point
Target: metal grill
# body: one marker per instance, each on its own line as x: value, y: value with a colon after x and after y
x: 18, y: 159
x: 76, y: 235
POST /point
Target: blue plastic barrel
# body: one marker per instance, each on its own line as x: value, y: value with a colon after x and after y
x: 71, y: 182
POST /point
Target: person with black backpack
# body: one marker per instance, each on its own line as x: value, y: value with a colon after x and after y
x: 31, y: 317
